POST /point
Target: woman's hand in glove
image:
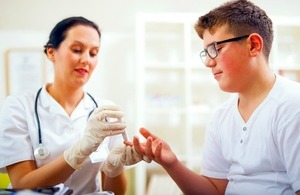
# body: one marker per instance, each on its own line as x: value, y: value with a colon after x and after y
x: 118, y: 157
x: 96, y: 130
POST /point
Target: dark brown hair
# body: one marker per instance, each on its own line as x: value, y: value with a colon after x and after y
x: 59, y: 32
x: 242, y: 18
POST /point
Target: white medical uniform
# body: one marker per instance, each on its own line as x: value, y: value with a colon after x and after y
x: 261, y: 156
x: 19, y: 135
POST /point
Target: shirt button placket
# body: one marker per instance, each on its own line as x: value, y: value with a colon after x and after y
x: 244, y: 129
x: 70, y: 130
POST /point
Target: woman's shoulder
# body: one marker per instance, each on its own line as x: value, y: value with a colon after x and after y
x: 14, y: 100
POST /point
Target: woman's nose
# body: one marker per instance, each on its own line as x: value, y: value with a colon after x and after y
x: 85, y: 58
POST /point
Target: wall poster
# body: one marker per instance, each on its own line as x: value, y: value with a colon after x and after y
x: 25, y: 70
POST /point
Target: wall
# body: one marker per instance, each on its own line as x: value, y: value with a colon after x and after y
x: 27, y: 23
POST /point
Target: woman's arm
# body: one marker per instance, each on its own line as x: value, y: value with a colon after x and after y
x: 117, y: 184
x: 25, y: 174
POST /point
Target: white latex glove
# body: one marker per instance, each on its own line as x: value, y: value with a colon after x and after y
x: 120, y: 156
x: 96, y: 130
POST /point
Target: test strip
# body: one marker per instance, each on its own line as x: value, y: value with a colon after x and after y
x: 125, y: 136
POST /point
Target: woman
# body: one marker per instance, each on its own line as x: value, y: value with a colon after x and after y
x: 58, y: 151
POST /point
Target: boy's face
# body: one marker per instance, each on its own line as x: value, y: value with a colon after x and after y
x: 230, y: 67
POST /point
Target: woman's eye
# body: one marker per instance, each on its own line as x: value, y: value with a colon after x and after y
x: 76, y: 50
x: 94, y: 53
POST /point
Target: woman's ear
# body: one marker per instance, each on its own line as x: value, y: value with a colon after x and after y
x: 256, y: 44
x: 50, y: 54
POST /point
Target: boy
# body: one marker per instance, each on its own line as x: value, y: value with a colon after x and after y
x: 252, y: 142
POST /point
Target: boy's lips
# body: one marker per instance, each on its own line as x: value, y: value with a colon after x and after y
x: 217, y: 74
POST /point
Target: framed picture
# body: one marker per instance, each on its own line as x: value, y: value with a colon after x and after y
x: 25, y: 70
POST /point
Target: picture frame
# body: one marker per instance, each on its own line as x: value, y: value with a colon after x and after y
x: 25, y: 70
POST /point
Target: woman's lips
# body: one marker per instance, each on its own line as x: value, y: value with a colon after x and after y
x: 81, y: 71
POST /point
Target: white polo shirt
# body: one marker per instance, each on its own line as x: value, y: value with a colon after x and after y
x: 261, y: 156
x: 19, y: 135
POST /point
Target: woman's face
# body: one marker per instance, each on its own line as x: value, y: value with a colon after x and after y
x: 77, y: 56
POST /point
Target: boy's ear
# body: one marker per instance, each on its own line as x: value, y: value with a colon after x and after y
x: 256, y: 44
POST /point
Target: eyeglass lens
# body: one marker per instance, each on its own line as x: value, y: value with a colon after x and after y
x: 211, y: 51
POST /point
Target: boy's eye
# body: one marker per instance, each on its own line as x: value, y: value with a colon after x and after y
x: 218, y: 48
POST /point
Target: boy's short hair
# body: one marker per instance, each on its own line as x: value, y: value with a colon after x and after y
x: 242, y: 18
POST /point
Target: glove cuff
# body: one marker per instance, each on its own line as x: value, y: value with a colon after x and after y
x: 111, y: 170
x: 74, y: 157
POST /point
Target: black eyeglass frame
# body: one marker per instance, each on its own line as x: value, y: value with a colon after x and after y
x: 205, y: 52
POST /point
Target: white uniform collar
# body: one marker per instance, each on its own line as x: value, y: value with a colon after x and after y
x: 48, y: 102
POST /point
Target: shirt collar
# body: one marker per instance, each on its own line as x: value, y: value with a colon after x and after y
x: 48, y: 102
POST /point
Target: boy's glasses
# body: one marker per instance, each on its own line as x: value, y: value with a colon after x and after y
x: 211, y: 49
